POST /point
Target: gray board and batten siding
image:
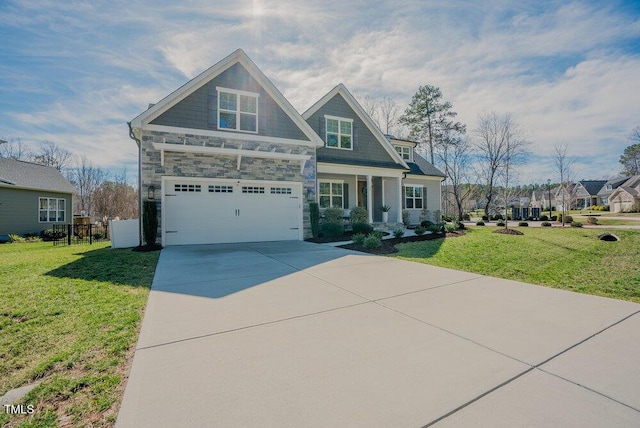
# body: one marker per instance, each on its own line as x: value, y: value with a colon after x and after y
x: 367, y: 150
x: 199, y: 109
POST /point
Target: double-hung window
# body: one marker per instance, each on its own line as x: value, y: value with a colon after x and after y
x: 237, y: 110
x: 339, y: 132
x: 413, y: 197
x: 52, y: 210
x: 404, y: 152
x: 331, y: 194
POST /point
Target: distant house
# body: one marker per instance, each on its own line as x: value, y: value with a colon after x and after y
x: 537, y: 199
x: 608, y: 188
x: 586, y: 192
x: 32, y: 197
x: 564, y: 197
x: 627, y: 196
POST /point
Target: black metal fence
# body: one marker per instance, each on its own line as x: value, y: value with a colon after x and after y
x: 70, y: 234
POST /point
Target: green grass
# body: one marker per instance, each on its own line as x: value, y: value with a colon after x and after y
x: 572, y: 259
x: 614, y: 222
x: 69, y: 317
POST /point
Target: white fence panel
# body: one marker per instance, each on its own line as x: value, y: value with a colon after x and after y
x: 124, y: 233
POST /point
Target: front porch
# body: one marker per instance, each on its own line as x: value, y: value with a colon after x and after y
x: 347, y: 187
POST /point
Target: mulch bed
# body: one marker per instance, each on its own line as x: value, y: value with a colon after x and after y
x: 326, y: 239
x: 508, y: 231
x: 389, y: 245
x: 145, y: 248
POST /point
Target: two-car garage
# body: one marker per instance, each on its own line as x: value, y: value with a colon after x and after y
x: 208, y: 211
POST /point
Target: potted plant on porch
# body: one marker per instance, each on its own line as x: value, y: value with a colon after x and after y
x: 385, y: 213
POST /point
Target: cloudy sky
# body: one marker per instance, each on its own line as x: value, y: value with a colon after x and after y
x: 75, y: 71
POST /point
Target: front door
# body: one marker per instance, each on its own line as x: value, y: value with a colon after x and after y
x: 362, y: 193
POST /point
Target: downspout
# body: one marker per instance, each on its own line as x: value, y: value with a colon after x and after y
x: 138, y: 142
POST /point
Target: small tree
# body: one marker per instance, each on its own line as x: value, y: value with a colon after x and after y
x: 314, y: 217
x: 563, y: 164
x: 150, y: 222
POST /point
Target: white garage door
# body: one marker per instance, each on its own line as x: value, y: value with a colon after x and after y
x: 220, y: 211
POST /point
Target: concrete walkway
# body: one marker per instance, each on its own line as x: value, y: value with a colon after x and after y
x: 306, y: 335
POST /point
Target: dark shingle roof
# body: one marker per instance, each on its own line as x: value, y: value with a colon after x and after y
x: 32, y: 176
x: 614, y: 182
x: 593, y: 186
x: 420, y: 166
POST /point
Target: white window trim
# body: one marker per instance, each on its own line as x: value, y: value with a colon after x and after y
x: 237, y: 112
x: 414, y: 198
x: 56, y: 210
x: 341, y: 182
x: 339, y: 119
x: 403, y: 148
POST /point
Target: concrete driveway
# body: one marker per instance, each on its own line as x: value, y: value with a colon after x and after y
x: 299, y: 334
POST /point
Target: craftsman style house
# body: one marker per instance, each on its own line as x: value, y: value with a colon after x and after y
x: 227, y: 158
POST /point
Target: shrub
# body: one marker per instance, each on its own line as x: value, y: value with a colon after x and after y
x: 398, y: 233
x: 460, y: 225
x: 364, y: 228
x: 529, y: 218
x: 447, y: 218
x: 14, y: 239
x: 576, y: 224
x: 420, y: 230
x: 567, y: 218
x: 436, y: 228
x: 150, y: 222
x: 358, y: 238
x: 314, y: 216
x: 449, y: 228
x: 372, y: 241
x: 500, y: 223
x: 592, y: 220
x: 358, y: 215
x: 544, y: 218
x: 554, y: 218
x: 546, y: 224
x: 523, y: 224
x: 480, y: 222
x: 485, y: 218
x: 332, y: 230
x: 497, y: 217
x: 426, y: 223
x: 405, y: 218
x: 333, y: 215
x: 97, y: 236
x: 377, y: 233
x: 52, y: 235
x: 466, y: 217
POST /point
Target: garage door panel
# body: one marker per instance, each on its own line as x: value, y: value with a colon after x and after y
x: 219, y: 212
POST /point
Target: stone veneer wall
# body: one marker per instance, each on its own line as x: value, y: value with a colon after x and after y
x: 219, y: 166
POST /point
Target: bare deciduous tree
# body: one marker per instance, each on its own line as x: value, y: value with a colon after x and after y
x: 87, y: 178
x: 15, y: 148
x: 500, y: 144
x: 116, y: 198
x: 50, y: 154
x: 563, y: 164
x: 455, y: 157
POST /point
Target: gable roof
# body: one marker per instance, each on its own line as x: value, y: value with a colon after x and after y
x: 421, y: 166
x: 357, y: 108
x: 238, y: 56
x: 26, y: 175
x: 592, y: 186
x: 614, y: 183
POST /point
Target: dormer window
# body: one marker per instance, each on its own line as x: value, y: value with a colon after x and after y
x: 404, y: 152
x: 339, y: 133
x: 237, y: 110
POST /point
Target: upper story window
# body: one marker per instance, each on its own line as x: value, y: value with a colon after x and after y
x: 339, y: 133
x: 237, y: 110
x: 404, y: 152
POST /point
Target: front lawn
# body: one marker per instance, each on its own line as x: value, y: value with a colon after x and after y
x: 69, y: 317
x: 572, y: 259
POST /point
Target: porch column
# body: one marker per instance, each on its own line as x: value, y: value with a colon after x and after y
x: 369, y: 199
x: 399, y: 219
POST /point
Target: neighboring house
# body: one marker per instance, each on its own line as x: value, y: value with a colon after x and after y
x: 228, y: 159
x: 564, y: 197
x: 586, y: 193
x: 537, y: 198
x: 608, y: 188
x: 32, y: 198
x: 626, y: 197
